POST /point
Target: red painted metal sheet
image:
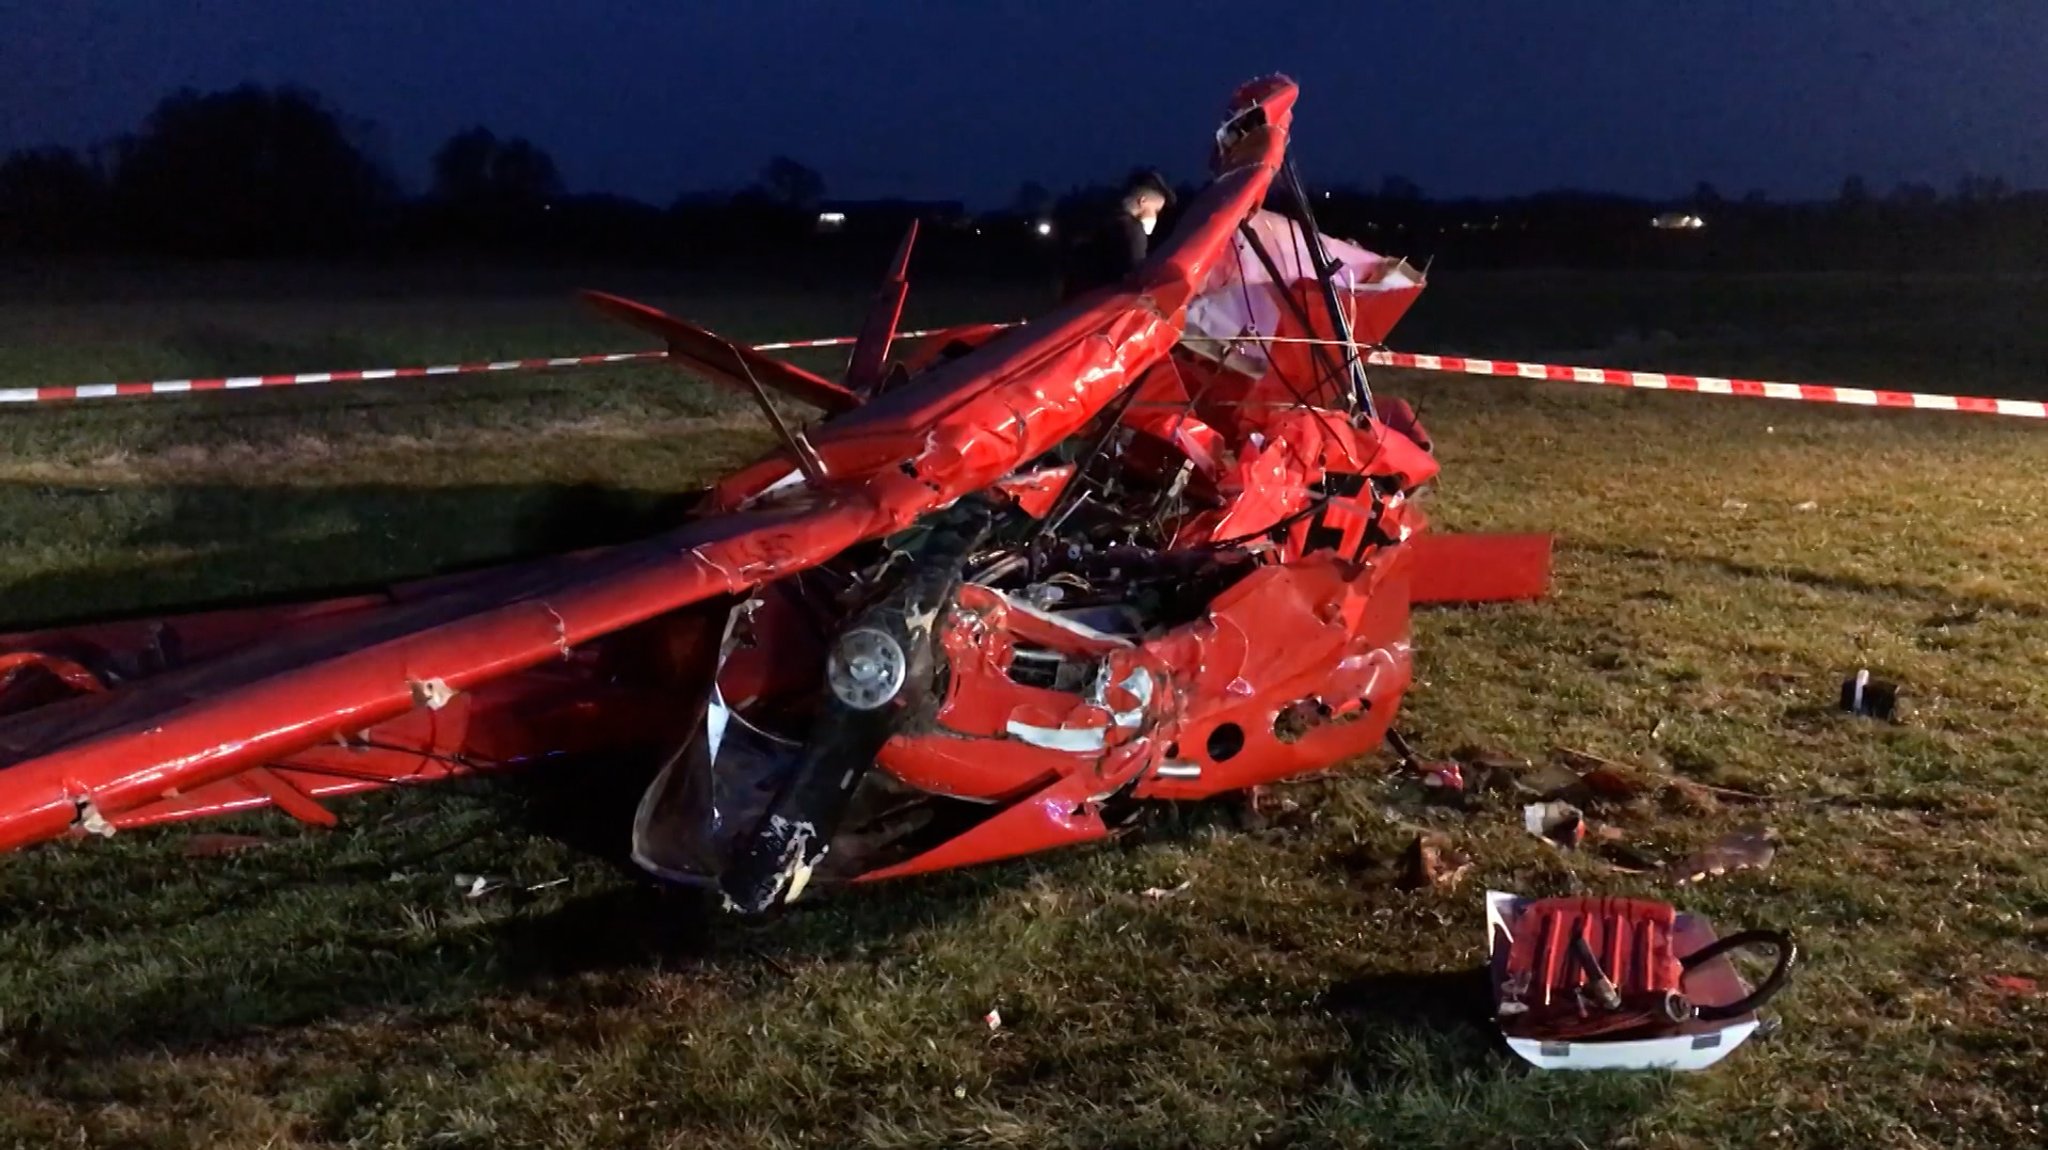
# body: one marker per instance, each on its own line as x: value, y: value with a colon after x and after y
x: 1479, y: 568
x: 721, y: 359
x: 185, y: 729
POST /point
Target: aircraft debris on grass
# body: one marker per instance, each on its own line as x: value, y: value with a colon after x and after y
x: 1005, y: 590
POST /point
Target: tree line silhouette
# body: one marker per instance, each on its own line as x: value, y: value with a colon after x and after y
x: 276, y: 172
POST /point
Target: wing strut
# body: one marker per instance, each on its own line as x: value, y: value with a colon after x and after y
x: 806, y: 457
x: 1326, y: 268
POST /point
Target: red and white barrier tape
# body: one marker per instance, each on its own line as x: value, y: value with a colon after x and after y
x: 240, y: 382
x: 1713, y: 385
x: 1608, y: 377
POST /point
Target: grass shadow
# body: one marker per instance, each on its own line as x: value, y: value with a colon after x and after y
x: 228, y: 544
x: 314, y: 933
x: 1947, y: 600
x: 1423, y: 1065
x: 233, y: 351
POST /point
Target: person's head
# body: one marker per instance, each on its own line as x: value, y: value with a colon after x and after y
x: 1145, y: 196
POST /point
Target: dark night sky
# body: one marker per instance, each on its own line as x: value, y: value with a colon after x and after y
x: 923, y: 97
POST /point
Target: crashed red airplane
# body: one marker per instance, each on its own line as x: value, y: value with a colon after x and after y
x: 1159, y: 544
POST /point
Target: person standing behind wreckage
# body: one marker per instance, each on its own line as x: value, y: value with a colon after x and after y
x: 1113, y: 247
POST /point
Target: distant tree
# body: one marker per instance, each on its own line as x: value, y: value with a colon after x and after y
x: 792, y: 184
x: 1982, y: 189
x: 526, y: 173
x: 252, y: 170
x: 1032, y: 199
x: 1756, y: 198
x: 1855, y: 193
x: 1915, y: 195
x: 474, y: 167
x: 1396, y: 187
x: 1706, y: 195
x: 462, y: 165
x: 50, y: 199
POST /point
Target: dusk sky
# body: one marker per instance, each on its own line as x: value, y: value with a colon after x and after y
x: 927, y: 98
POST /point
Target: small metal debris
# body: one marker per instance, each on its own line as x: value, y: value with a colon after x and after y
x: 994, y: 1018
x: 1809, y: 505
x: 1751, y: 848
x: 1558, y: 823
x: 477, y: 885
x: 1734, y: 505
x: 1157, y: 893
x: 2012, y: 984
x: 1445, y: 776
x: 1869, y: 697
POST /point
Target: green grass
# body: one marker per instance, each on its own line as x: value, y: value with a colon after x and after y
x: 1722, y: 565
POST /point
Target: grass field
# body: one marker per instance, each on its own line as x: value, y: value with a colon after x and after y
x: 1722, y: 565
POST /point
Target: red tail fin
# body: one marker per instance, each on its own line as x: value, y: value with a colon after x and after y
x: 871, y: 351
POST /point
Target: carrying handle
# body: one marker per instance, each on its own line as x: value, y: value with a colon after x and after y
x: 1788, y: 957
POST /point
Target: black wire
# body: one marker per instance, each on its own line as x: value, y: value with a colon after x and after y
x: 1354, y: 365
x: 1113, y: 417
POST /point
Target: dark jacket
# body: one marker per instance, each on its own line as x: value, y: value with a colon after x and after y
x: 1109, y: 249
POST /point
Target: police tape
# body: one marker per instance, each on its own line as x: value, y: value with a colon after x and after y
x: 371, y: 375
x: 1711, y: 385
x: 1462, y: 365
x: 241, y: 382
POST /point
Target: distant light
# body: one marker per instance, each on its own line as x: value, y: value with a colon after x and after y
x: 1326, y: 195
x: 547, y: 207
x: 1044, y: 228
x: 831, y: 217
x: 1678, y: 220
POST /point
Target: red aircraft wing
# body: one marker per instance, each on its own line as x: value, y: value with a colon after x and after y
x: 105, y: 753
x: 955, y: 431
